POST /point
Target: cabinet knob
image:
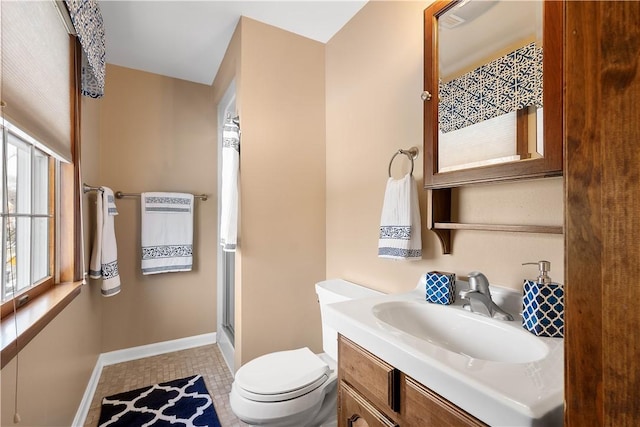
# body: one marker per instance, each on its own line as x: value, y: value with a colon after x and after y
x: 426, y: 96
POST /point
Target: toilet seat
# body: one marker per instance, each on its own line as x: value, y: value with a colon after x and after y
x: 281, y: 376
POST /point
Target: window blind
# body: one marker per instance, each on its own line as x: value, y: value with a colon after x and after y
x: 36, y: 72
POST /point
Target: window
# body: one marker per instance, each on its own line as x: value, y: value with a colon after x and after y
x: 40, y: 252
x: 28, y: 206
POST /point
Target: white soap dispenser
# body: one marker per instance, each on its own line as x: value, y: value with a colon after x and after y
x: 543, y: 303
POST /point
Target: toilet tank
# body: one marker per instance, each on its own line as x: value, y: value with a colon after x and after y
x: 337, y: 290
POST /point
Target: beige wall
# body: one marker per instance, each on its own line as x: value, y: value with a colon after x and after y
x: 159, y: 134
x: 282, y: 224
x: 55, y: 367
x: 229, y: 68
x: 374, y: 80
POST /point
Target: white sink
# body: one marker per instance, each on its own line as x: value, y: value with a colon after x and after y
x: 461, y: 332
x: 493, y: 369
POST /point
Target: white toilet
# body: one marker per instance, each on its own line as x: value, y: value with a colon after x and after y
x: 295, y: 388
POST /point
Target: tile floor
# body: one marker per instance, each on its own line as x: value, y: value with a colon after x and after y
x: 206, y: 360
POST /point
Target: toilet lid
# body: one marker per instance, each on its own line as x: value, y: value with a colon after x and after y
x: 282, y: 375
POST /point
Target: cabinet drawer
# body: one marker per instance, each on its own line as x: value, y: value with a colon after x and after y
x: 423, y: 407
x: 377, y: 380
x: 355, y: 411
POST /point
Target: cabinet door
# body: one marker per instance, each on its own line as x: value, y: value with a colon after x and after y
x: 356, y: 411
x: 424, y: 408
x: 372, y: 377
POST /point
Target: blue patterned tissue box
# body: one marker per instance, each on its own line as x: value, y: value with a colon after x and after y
x: 441, y: 287
x: 543, y: 309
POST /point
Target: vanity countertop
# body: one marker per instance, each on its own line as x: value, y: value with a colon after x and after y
x: 497, y: 392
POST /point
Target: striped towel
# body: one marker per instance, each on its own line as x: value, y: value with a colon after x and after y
x: 400, y: 234
x: 104, y: 255
x: 229, y: 187
x: 167, y: 232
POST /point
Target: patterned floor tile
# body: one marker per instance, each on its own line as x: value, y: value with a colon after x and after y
x: 206, y: 361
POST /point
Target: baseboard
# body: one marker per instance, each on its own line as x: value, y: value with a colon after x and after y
x: 85, y: 403
x: 133, y: 353
x: 155, y: 349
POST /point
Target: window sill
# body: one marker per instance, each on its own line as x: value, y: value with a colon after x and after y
x: 33, y: 317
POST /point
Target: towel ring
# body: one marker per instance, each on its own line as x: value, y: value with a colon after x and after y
x: 411, y: 153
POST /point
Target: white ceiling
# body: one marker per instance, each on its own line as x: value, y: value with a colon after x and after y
x: 187, y: 39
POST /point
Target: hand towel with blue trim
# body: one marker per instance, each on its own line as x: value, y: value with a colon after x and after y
x: 167, y: 232
x: 229, y: 187
x: 400, y: 235
x: 104, y: 255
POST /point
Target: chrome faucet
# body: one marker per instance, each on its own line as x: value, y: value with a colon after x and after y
x: 479, y: 297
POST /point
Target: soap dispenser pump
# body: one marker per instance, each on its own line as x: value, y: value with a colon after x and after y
x: 544, y: 267
x: 543, y: 304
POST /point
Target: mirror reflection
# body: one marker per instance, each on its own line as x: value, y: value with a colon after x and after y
x: 490, y: 83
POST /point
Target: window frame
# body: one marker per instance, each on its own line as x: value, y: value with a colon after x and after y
x: 42, y: 285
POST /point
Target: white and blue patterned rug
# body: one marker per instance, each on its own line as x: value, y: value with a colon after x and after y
x: 178, y: 403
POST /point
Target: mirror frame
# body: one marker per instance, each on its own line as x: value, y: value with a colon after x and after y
x: 553, y: 97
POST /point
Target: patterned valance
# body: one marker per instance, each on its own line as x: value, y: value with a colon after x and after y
x: 87, y: 21
x: 506, y: 84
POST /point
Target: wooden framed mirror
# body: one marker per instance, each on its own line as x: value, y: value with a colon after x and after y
x: 493, y: 91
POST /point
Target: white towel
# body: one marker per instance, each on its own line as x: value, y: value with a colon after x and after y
x: 104, y: 255
x: 229, y: 190
x: 400, y: 234
x: 167, y: 232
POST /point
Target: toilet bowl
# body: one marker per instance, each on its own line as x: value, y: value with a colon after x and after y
x: 286, y: 388
x: 295, y: 388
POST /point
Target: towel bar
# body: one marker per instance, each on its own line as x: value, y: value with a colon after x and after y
x: 411, y: 153
x: 86, y: 188
x: 120, y: 195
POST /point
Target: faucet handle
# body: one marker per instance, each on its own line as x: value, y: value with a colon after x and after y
x: 479, y: 282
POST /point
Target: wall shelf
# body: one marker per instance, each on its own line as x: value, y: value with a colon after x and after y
x: 550, y: 229
x: 441, y: 224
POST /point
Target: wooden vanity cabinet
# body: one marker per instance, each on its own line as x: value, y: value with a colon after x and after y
x: 423, y: 407
x: 372, y: 393
x: 375, y: 379
x: 356, y: 411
